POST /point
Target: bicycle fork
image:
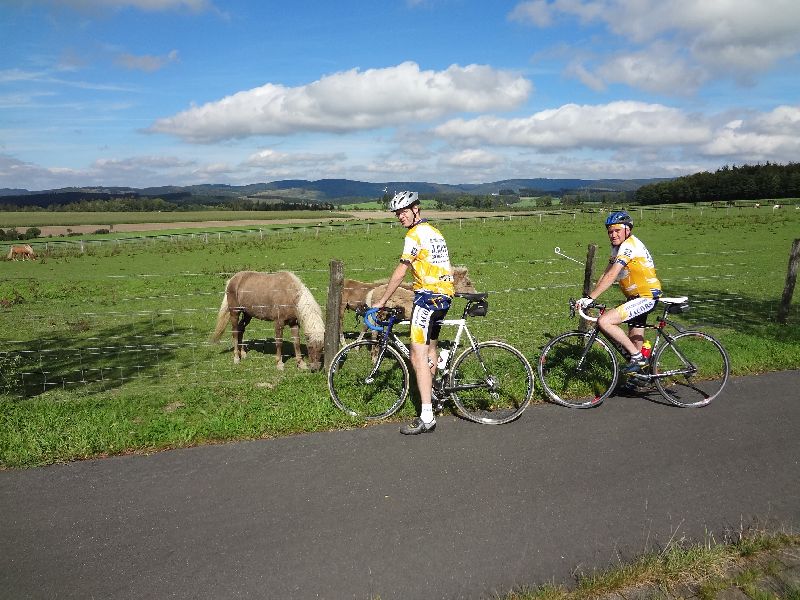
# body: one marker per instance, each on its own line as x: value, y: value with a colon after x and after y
x: 371, y: 377
x: 586, y: 348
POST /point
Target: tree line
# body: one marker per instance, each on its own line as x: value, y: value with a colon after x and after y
x: 12, y: 235
x: 745, y: 182
x: 147, y: 204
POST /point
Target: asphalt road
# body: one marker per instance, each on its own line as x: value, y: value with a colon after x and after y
x: 464, y: 512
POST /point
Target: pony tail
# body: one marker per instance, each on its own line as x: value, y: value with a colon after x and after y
x: 223, y: 317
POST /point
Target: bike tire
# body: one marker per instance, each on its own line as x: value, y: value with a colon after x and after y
x: 377, y: 397
x: 699, y: 368
x: 574, y: 383
x: 503, y: 378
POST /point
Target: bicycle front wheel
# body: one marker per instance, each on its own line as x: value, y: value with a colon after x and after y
x: 361, y: 390
x: 491, y: 383
x: 692, y: 369
x: 576, y: 374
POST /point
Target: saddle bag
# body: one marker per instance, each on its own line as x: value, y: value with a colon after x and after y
x: 678, y: 308
x: 478, y: 309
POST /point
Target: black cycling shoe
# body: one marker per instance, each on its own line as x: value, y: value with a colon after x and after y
x: 417, y: 426
x: 634, y: 387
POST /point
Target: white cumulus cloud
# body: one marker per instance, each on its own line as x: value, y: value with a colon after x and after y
x: 771, y: 136
x: 606, y: 126
x: 669, y: 40
x: 272, y: 158
x: 657, y: 69
x: 472, y: 158
x: 350, y: 101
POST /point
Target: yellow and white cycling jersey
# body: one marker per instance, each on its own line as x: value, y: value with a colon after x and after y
x: 638, y: 276
x: 426, y: 251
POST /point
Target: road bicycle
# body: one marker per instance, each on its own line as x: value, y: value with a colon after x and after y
x: 489, y: 382
x: 688, y: 367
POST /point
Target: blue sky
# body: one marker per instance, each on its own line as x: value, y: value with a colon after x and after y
x: 176, y: 92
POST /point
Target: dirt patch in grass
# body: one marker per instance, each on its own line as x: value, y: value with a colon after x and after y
x: 56, y: 230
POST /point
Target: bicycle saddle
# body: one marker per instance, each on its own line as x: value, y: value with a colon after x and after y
x: 472, y: 297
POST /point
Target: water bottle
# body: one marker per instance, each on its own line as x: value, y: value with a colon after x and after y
x: 443, y: 356
x: 647, y: 348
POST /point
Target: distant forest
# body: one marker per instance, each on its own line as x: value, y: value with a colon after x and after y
x: 104, y: 202
x: 745, y: 182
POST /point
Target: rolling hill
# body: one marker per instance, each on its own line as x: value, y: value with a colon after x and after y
x: 340, y: 191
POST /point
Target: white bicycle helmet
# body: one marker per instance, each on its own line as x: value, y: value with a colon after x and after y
x: 403, y: 200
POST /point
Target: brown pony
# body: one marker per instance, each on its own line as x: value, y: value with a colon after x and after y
x: 404, y: 298
x: 279, y: 297
x: 24, y: 252
x: 354, y: 294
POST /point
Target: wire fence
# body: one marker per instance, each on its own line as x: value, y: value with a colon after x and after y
x: 170, y: 347
x: 167, y: 344
x: 82, y: 243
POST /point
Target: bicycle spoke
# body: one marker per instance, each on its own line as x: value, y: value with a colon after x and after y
x: 574, y: 375
x: 364, y: 386
x: 691, y: 370
x: 492, y: 385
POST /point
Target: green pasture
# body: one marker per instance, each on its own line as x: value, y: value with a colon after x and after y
x: 106, y: 351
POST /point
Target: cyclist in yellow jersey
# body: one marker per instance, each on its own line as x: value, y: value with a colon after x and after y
x: 631, y: 265
x: 425, y: 253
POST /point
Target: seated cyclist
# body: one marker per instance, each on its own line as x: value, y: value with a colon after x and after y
x: 631, y: 265
x: 425, y: 252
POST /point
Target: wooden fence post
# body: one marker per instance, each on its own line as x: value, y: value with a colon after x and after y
x: 333, y: 329
x: 791, y: 277
x: 588, y: 278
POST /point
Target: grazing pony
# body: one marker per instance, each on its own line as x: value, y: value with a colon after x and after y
x: 354, y: 294
x: 279, y: 297
x: 24, y: 252
x: 358, y: 293
x: 404, y: 298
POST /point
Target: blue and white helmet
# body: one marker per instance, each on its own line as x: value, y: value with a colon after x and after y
x: 619, y: 217
x: 403, y: 200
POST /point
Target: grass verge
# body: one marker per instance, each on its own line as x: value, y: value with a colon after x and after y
x: 749, y: 562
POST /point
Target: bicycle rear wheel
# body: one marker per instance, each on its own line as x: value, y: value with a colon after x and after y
x: 574, y: 375
x: 692, y: 369
x: 494, y: 383
x: 360, y: 393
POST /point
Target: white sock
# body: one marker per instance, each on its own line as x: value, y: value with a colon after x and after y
x: 638, y: 357
x: 427, y: 413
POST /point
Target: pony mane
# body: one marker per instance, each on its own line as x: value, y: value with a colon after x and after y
x: 308, y: 312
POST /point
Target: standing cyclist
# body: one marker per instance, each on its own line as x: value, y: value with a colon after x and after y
x: 632, y: 265
x: 425, y: 252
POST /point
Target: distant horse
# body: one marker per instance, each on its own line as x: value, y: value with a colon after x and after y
x: 404, y: 298
x: 24, y: 252
x: 279, y: 297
